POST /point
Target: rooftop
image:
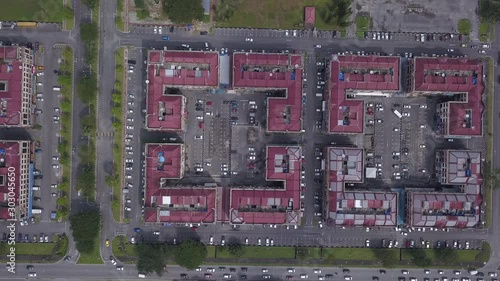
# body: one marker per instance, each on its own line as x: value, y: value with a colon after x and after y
x: 310, y: 15
x: 166, y: 203
x: 273, y: 71
x: 256, y: 205
x: 11, y: 79
x: 450, y: 75
x: 9, y: 158
x: 165, y: 112
x: 464, y: 167
x: 355, y: 208
x: 358, y: 74
x: 445, y: 209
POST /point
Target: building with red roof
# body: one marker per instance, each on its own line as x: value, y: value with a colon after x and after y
x: 273, y: 72
x: 461, y: 168
x: 14, y: 178
x: 176, y: 69
x: 352, y: 77
x: 310, y: 16
x: 345, y: 165
x: 16, y: 86
x: 264, y: 205
x: 166, y: 202
x: 443, y: 210
x: 461, y: 116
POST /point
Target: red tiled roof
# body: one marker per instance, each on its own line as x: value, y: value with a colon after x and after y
x: 457, y: 110
x: 202, y: 199
x: 208, y: 76
x: 12, y: 160
x: 173, y: 117
x: 291, y: 104
x: 272, y: 197
x: 310, y: 15
x: 11, y: 73
x: 340, y: 107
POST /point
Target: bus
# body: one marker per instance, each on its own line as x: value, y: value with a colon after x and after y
x: 27, y: 24
x: 398, y: 114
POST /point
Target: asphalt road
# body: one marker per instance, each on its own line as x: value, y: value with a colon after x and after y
x: 111, y: 39
x: 105, y: 272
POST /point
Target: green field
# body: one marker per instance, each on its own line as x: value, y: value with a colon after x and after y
x: 464, y: 26
x: 484, y: 33
x: 31, y: 10
x: 281, y: 14
x: 118, y: 252
x: 363, y: 24
x: 464, y: 256
x: 489, y: 143
x: 210, y: 251
x: 360, y: 254
x: 261, y: 252
x: 91, y: 258
x: 43, y: 249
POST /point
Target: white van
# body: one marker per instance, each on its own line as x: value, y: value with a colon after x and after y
x: 141, y: 275
x: 56, y: 88
x: 319, y: 95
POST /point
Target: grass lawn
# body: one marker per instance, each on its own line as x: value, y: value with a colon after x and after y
x: 262, y: 252
x: 31, y: 10
x: 92, y: 258
x: 118, y: 252
x: 363, y: 24
x: 464, y: 26
x: 348, y: 254
x: 210, y: 251
x: 484, y: 255
x: 484, y: 31
x: 119, y: 16
x: 464, y: 256
x: 44, y: 249
x: 313, y: 252
x: 281, y: 14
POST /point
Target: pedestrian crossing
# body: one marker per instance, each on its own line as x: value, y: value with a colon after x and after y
x: 105, y: 134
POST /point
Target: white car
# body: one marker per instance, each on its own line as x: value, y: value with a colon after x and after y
x: 130, y: 119
x: 317, y: 271
x: 248, y: 39
x: 156, y: 233
x: 32, y: 274
x: 55, y: 158
x: 130, y: 127
x: 55, y: 166
x: 155, y: 30
x: 317, y: 46
x: 119, y: 268
x: 482, y: 51
x: 367, y: 242
x: 407, y: 114
x: 159, y: 30
x: 451, y: 50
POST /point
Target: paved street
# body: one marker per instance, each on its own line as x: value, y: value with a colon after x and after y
x: 142, y: 38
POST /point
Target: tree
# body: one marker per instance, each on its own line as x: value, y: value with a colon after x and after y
x: 150, y: 258
x: 336, y: 12
x: 447, y: 255
x: 235, y: 248
x: 67, y: 13
x: 85, y: 228
x: 492, y: 175
x: 182, y: 12
x: 190, y: 254
x: 388, y: 257
x: 91, y: 3
x: 419, y: 257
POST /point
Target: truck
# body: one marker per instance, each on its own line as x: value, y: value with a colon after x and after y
x: 398, y: 114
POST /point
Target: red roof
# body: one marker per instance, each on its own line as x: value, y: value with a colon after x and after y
x: 310, y: 15
x: 12, y: 159
x: 164, y: 112
x: 424, y: 82
x: 11, y: 73
x: 282, y: 164
x: 284, y: 114
x: 177, y: 204
x: 346, y: 116
x: 175, y: 68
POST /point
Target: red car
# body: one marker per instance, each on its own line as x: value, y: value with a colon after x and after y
x: 209, y: 103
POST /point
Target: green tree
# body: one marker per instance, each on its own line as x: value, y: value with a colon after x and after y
x: 91, y: 3
x: 388, y: 257
x: 190, y: 254
x: 151, y: 258
x: 235, y: 248
x: 446, y: 255
x: 336, y: 12
x: 492, y: 175
x: 419, y: 257
x: 85, y: 228
x: 87, y: 89
x: 182, y: 12
x: 67, y: 13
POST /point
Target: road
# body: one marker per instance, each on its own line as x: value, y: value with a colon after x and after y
x: 103, y: 272
x: 111, y: 39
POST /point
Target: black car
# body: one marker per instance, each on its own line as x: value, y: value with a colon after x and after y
x: 29, y: 267
x: 232, y: 269
x: 203, y: 32
x: 172, y: 29
x: 244, y: 269
x: 184, y: 276
x: 29, y: 45
x: 19, y: 237
x: 4, y: 237
x: 131, y: 62
x: 345, y: 270
x: 26, y: 238
x: 243, y: 277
